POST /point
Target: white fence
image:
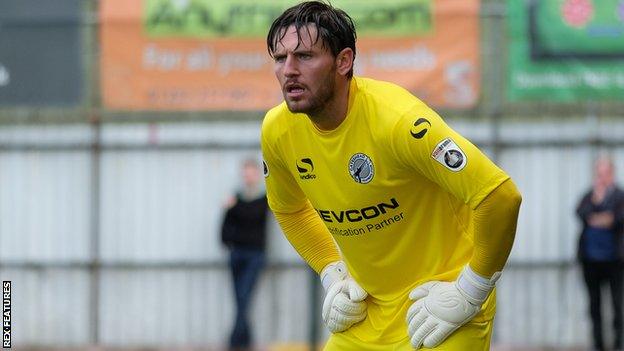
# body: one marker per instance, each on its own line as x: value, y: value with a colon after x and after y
x: 110, y: 234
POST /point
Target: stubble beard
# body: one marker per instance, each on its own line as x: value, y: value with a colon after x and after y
x: 318, y: 102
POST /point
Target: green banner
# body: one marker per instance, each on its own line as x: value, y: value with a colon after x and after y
x: 252, y: 18
x: 565, y: 50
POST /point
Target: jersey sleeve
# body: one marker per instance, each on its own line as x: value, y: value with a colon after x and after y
x: 299, y: 221
x: 495, y: 228
x: 283, y: 193
x: 424, y: 143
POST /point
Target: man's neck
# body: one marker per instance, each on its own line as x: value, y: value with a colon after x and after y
x: 335, y: 111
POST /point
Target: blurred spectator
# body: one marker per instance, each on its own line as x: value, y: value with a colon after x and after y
x: 244, y: 234
x: 600, y: 248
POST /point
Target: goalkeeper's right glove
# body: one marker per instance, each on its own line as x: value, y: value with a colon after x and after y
x: 344, y: 303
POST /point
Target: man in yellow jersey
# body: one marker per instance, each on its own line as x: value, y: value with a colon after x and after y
x: 408, y: 224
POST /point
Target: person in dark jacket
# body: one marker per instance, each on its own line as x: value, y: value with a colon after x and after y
x: 244, y: 233
x: 600, y: 249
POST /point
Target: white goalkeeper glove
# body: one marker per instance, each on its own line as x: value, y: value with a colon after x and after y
x: 442, y: 307
x: 344, y: 303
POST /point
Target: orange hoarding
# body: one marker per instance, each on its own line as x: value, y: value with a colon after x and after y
x: 141, y: 70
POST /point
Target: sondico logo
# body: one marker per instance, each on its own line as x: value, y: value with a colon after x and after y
x: 305, y: 166
x: 356, y: 215
x: 419, y: 128
x: 265, y: 168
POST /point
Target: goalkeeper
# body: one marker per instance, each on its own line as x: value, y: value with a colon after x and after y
x: 407, y: 223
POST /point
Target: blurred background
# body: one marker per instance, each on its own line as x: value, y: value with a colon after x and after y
x: 123, y: 124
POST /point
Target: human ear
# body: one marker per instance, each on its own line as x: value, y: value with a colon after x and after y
x: 344, y: 61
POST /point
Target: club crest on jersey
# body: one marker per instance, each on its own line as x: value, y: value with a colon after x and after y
x: 361, y: 168
x: 266, y: 169
x: 450, y: 155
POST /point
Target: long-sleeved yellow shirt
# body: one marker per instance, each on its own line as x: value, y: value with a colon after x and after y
x: 394, y: 192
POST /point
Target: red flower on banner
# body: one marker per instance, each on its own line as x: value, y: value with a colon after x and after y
x: 576, y: 13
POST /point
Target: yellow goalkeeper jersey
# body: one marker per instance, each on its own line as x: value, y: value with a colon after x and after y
x: 393, y: 185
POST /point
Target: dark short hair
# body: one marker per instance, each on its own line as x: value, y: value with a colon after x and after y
x: 334, y: 26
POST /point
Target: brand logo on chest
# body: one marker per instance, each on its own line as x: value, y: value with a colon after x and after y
x: 305, y: 167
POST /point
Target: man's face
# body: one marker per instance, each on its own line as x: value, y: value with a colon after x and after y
x: 251, y: 175
x: 305, y: 70
x: 603, y: 176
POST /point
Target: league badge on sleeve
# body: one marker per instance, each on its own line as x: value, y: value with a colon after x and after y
x: 450, y: 155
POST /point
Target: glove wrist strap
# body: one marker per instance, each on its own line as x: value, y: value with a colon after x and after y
x: 332, y: 273
x: 475, y: 287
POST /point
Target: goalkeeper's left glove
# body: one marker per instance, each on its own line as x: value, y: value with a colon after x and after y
x: 442, y: 307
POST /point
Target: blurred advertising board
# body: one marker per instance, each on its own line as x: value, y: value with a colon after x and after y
x: 212, y: 55
x: 40, y: 48
x: 566, y: 50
